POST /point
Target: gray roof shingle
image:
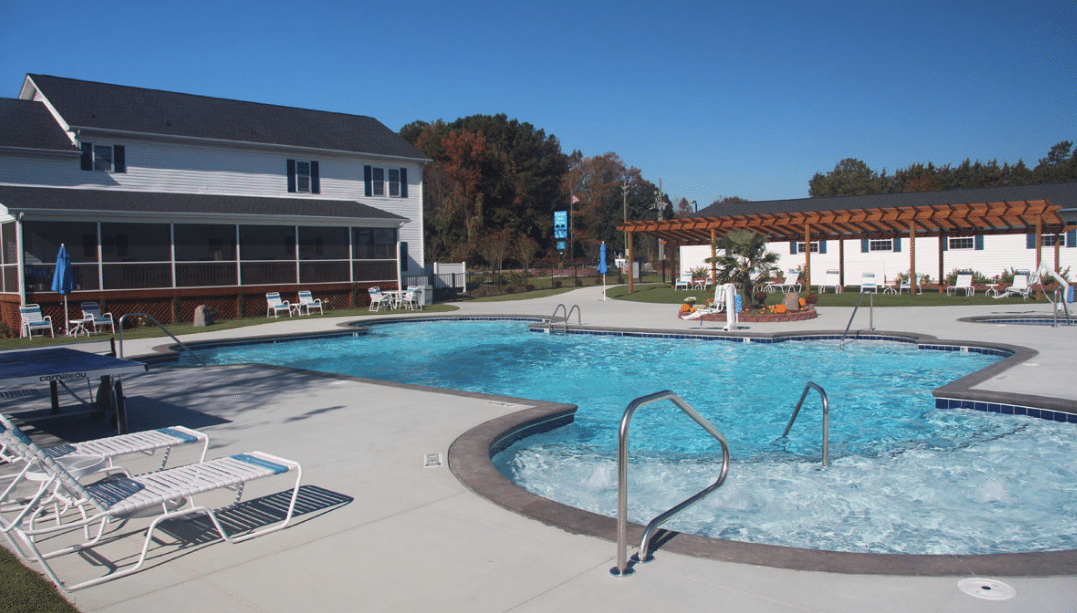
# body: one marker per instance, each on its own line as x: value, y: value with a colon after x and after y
x: 102, y: 106
x: 1062, y: 194
x: 26, y: 124
x: 94, y: 201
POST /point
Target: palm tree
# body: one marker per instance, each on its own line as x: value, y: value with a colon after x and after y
x: 745, y: 262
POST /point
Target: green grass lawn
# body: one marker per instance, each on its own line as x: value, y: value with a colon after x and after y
x: 25, y: 591
x: 664, y: 294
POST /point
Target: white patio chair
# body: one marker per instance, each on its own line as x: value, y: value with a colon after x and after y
x: 308, y: 302
x: 275, y: 305
x: 868, y: 284
x: 377, y: 299
x: 963, y: 283
x: 831, y: 279
x: 1022, y: 285
x: 32, y: 319
x: 790, y: 283
x: 91, y: 316
x: 906, y: 284
x: 685, y: 282
x: 410, y: 299
x: 168, y: 494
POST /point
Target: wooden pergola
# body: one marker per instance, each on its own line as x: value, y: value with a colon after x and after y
x: 912, y: 221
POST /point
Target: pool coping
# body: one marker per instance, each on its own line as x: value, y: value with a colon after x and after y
x: 469, y: 459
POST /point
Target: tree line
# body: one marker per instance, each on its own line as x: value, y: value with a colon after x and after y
x: 493, y: 185
x: 852, y: 177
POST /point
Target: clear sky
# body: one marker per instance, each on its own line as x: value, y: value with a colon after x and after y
x: 715, y: 98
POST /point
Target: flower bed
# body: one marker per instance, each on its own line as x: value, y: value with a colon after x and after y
x: 758, y: 316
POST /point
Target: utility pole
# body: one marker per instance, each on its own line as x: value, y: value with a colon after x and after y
x: 624, y: 193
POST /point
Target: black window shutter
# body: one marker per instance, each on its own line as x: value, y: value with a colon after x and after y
x: 87, y: 156
x: 119, y: 159
x: 315, y: 184
x: 792, y: 247
x: 979, y: 242
x: 864, y: 246
x: 1071, y: 238
x: 897, y: 244
x: 1031, y: 242
x: 291, y: 175
x: 369, y: 179
x: 822, y: 247
x: 403, y: 182
x: 945, y: 243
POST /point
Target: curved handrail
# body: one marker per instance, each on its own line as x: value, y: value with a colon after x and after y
x: 119, y: 324
x: 826, y: 419
x: 622, y: 570
x: 568, y: 314
x: 871, y: 317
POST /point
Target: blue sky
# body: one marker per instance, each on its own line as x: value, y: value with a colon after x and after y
x: 715, y: 98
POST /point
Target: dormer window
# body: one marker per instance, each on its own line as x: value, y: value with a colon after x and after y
x: 303, y: 176
x: 103, y: 158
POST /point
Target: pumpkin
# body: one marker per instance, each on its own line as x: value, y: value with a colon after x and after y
x: 779, y: 308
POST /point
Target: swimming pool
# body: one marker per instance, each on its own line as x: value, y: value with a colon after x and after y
x: 967, y: 482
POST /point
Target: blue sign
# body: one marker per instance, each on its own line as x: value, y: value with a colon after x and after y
x: 560, y: 224
x: 560, y: 245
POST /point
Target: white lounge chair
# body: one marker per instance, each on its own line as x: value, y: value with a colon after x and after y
x: 168, y: 494
x: 868, y: 284
x: 32, y: 319
x: 1022, y: 285
x: 790, y: 283
x: 275, y: 305
x: 963, y: 283
x: 684, y: 282
x: 308, y: 302
x: 91, y: 316
x: 832, y: 279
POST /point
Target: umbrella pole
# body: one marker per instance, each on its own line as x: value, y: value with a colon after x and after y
x: 603, y: 287
x: 67, y: 323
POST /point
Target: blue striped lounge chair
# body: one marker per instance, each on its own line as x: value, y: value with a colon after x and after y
x: 32, y: 319
x: 168, y: 494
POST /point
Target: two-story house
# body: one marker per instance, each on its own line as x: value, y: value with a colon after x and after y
x: 166, y: 201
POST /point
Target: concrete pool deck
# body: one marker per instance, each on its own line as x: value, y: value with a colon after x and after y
x: 382, y: 532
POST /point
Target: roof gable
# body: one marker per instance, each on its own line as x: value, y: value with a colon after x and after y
x: 25, y: 124
x: 102, y: 106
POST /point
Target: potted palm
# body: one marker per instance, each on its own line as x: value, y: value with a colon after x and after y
x: 744, y: 262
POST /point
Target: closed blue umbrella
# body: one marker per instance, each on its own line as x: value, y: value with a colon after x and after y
x: 63, y: 279
x: 602, y: 267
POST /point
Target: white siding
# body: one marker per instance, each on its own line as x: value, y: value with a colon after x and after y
x: 191, y: 168
x: 1000, y: 253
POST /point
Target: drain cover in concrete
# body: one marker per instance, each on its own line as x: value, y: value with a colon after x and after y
x: 988, y: 589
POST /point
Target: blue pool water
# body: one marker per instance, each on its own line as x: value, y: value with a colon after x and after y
x: 904, y: 477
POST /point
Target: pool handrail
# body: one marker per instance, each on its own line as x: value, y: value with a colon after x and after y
x: 826, y: 419
x: 119, y: 325
x: 568, y: 314
x: 622, y: 569
x: 871, y: 315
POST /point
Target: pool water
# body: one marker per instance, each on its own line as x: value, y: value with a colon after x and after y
x: 904, y: 477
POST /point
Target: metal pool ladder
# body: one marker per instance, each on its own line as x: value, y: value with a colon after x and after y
x: 871, y: 316
x: 568, y: 314
x: 119, y: 325
x: 622, y: 569
x: 826, y: 419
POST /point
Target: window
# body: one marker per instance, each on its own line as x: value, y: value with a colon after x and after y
x: 814, y: 247
x: 103, y: 158
x: 376, y: 179
x: 303, y: 176
x: 965, y: 242
x: 378, y: 184
x: 881, y: 245
x: 1049, y: 240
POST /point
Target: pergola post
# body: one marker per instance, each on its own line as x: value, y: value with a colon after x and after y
x: 912, y: 258
x: 1039, y: 249
x: 714, y: 255
x: 841, y: 263
x: 807, y: 257
x: 942, y: 250
x: 628, y: 236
